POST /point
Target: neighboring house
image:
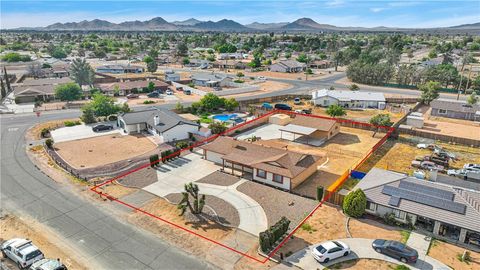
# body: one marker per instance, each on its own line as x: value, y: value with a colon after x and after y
x: 210, y: 80
x: 125, y: 88
x: 289, y: 66
x: 272, y: 166
x: 37, y: 90
x: 55, y: 72
x: 171, y: 76
x: 447, y: 210
x: 229, y: 64
x: 324, y: 128
x: 455, y: 109
x: 321, y: 64
x: 224, y: 56
x: 200, y: 63
x: 431, y: 62
x: 165, y: 124
x: 349, y: 99
x: 119, y: 69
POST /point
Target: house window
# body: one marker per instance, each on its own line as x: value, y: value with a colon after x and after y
x: 370, y: 206
x: 325, y: 102
x: 278, y: 178
x: 261, y: 173
x: 442, y: 111
x: 399, y: 214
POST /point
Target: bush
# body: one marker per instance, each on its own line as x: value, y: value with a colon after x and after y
x: 389, y: 219
x: 319, y: 193
x: 45, y: 133
x: 402, y: 267
x: 154, y: 160
x: 355, y: 203
x: 71, y: 123
x: 275, y: 233
x: 49, y: 143
x: 238, y: 81
x: 112, y: 117
x: 148, y: 102
x: 181, y: 145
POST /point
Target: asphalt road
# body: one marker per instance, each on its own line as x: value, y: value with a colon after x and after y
x: 104, y: 239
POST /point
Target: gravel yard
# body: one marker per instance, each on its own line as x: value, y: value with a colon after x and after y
x: 220, y: 179
x: 140, y: 178
x: 277, y: 203
x: 225, y: 212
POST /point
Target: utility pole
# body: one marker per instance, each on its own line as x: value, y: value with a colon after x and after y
x: 461, y: 76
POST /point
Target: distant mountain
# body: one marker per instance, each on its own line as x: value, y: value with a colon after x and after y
x: 307, y: 24
x: 222, y: 25
x: 466, y: 26
x: 189, y: 22
x: 266, y: 26
x: 153, y: 24
x: 83, y: 25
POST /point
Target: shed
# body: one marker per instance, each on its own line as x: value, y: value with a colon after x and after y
x: 279, y: 119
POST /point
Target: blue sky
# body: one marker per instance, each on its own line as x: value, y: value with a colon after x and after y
x: 415, y: 14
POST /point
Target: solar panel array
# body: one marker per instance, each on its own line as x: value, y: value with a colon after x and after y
x: 423, y: 198
x: 394, y: 201
x: 436, y: 192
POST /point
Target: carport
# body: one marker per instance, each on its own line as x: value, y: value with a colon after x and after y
x: 297, y: 130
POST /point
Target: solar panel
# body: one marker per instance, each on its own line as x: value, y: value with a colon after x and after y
x: 424, y: 199
x: 394, y: 201
x: 436, y: 192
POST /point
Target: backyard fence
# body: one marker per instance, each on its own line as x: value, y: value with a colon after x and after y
x: 440, y: 137
x: 334, y: 198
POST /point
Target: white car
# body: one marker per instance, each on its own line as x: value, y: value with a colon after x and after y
x: 48, y: 264
x: 169, y: 92
x: 329, y: 250
x: 473, y: 167
x: 262, y: 78
x: 21, y: 251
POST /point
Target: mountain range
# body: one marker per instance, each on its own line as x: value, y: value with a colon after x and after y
x: 225, y: 25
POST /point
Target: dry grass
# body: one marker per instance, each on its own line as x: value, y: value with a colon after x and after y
x: 34, y: 132
x: 367, y: 228
x: 448, y: 253
x: 102, y: 150
x: 362, y: 264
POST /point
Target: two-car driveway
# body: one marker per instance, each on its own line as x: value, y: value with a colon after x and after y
x: 80, y: 132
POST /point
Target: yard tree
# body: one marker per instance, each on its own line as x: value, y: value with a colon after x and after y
x: 88, y: 114
x: 217, y: 127
x: 125, y: 108
x: 151, y: 87
x: 255, y: 63
x: 103, y: 105
x: 68, y: 91
x: 3, y: 91
x: 195, y: 207
x: 382, y: 119
x: 335, y: 110
x: 185, y: 61
x: 354, y: 203
x: 472, y: 99
x: 303, y: 58
x: 211, y: 101
x: 354, y: 87
x: 81, y: 72
x: 230, y: 104
x: 182, y: 49
x: 429, y: 91
x: 152, y: 66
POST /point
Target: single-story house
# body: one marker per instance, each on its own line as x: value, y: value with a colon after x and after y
x: 201, y: 63
x: 210, y: 80
x: 272, y: 166
x: 321, y: 64
x: 324, y: 128
x: 118, y: 69
x: 447, y: 210
x: 127, y: 87
x: 290, y: 66
x: 455, y: 109
x: 349, y: 99
x: 37, y: 89
x: 166, y: 125
x: 223, y: 56
x: 172, y: 76
x: 229, y: 64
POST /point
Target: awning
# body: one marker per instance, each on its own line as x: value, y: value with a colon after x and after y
x: 298, y: 129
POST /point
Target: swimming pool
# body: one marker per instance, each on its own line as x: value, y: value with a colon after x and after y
x: 224, y: 117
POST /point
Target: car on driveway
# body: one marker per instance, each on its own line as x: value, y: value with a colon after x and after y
x: 395, y: 250
x: 169, y: 92
x: 21, y: 251
x: 330, y: 250
x: 284, y: 107
x: 48, y: 264
x: 102, y: 127
x: 130, y: 96
x: 153, y: 94
x: 267, y: 106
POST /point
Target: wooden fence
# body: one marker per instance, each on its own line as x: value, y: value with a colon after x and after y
x: 334, y: 197
x: 440, y: 137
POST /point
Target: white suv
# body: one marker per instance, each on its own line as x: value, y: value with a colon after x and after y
x: 21, y: 251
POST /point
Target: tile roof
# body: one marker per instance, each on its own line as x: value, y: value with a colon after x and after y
x: 167, y: 119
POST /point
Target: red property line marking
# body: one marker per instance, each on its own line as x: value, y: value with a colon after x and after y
x: 270, y: 255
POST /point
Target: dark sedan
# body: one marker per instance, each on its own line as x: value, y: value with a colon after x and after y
x: 102, y: 127
x: 396, y: 250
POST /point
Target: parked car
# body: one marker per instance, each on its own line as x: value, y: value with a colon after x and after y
x: 307, y: 111
x: 153, y: 94
x: 267, y: 105
x: 169, y: 92
x: 21, y: 251
x: 330, y: 250
x: 471, y: 166
x: 297, y: 100
x: 284, y: 107
x: 102, y: 127
x: 262, y: 78
x: 48, y: 264
x: 427, y: 165
x: 130, y: 96
x: 425, y: 146
x: 396, y: 250
x: 187, y: 92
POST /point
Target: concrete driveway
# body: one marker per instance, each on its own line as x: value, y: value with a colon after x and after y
x: 266, y: 132
x: 361, y: 248
x: 81, y: 132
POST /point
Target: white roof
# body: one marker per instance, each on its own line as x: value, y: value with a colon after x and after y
x: 347, y: 95
x: 298, y: 129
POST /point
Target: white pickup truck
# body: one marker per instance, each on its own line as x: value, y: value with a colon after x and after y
x: 21, y: 251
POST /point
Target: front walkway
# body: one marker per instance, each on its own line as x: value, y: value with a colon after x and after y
x: 420, y: 243
x: 361, y: 248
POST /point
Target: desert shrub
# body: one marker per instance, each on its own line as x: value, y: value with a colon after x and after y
x: 49, y: 143
x: 181, y: 145
x: 238, y: 81
x: 154, y: 160
x: 355, y: 203
x: 402, y: 267
x: 45, y: 133
x: 148, y: 102
x: 71, y: 123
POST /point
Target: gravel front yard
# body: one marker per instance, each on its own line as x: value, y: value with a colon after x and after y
x: 140, y: 178
x: 226, y: 213
x: 220, y: 179
x: 278, y: 203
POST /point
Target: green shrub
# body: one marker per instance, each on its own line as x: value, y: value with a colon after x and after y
x: 148, y: 102
x: 45, y: 133
x: 273, y: 234
x: 154, y: 160
x: 319, y: 193
x: 181, y: 145
x: 238, y: 81
x: 71, y: 123
x: 402, y: 267
x: 49, y: 143
x: 264, y: 242
x: 355, y: 203
x: 389, y: 219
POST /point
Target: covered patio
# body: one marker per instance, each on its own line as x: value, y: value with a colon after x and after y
x: 301, y: 134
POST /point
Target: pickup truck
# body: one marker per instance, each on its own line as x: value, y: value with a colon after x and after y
x: 21, y: 251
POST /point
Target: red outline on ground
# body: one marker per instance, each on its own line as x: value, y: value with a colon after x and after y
x: 337, y: 183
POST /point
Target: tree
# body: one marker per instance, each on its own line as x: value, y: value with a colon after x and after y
x: 125, y: 108
x: 335, y: 110
x: 150, y: 87
x: 182, y: 49
x: 81, y: 72
x: 196, y: 207
x: 88, y: 115
x: 68, y: 92
x: 255, y: 63
x: 303, y: 58
x: 429, y: 91
x: 152, y: 66
x: 102, y: 105
x: 354, y: 87
x: 230, y: 104
x: 432, y: 54
x: 355, y: 203
x: 3, y: 92
x: 382, y: 119
x: 185, y: 61
x: 15, y: 57
x: 179, y: 107
x: 211, y: 101
x: 217, y: 127
x: 472, y: 99
x: 34, y: 70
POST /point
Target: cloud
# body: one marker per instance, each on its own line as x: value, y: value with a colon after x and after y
x: 335, y: 3
x: 377, y: 9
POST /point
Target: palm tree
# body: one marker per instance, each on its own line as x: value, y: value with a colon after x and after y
x: 81, y: 72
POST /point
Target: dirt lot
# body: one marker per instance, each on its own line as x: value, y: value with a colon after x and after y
x: 102, y: 150
x: 45, y: 240
x: 448, y: 253
x: 438, y: 125
x: 266, y: 87
x: 362, y: 264
x: 139, y: 101
x: 369, y: 228
x: 397, y: 155
x: 281, y: 75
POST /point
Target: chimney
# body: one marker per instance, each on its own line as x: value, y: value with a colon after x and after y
x: 156, y: 120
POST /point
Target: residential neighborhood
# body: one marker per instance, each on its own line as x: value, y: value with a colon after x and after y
x: 241, y: 135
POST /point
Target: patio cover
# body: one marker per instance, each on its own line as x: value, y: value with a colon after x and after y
x: 295, y: 129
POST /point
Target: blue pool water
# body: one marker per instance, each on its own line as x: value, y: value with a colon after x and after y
x: 224, y: 117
